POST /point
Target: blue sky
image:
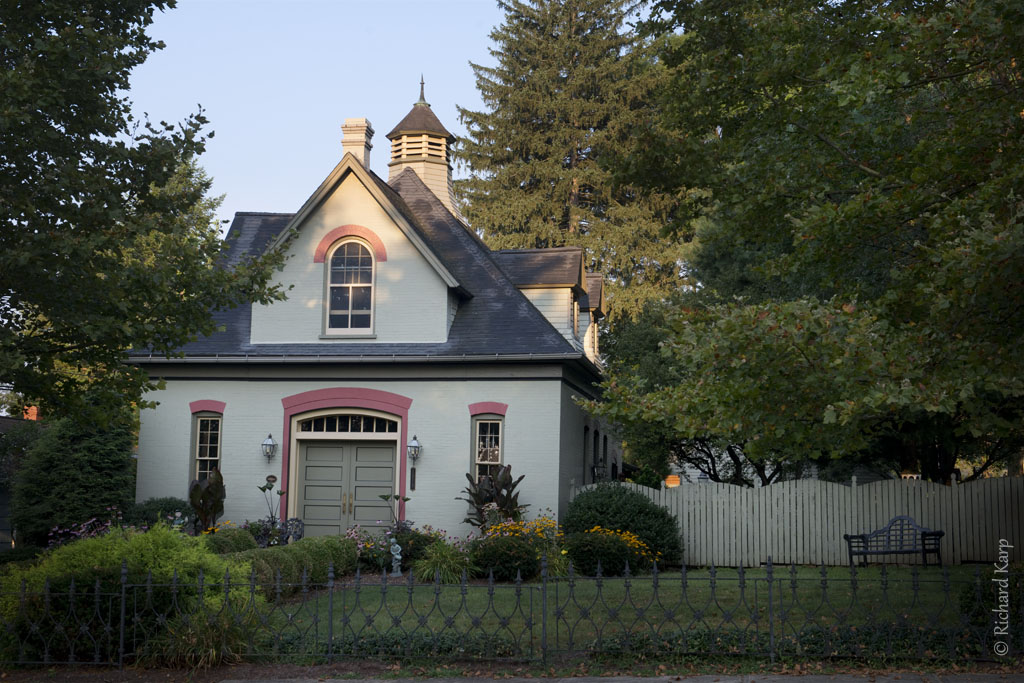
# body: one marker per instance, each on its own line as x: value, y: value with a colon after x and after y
x: 278, y: 77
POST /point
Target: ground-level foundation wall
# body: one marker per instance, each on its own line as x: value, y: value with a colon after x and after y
x: 438, y: 415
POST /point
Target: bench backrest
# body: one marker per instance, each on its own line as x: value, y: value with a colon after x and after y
x: 900, y: 533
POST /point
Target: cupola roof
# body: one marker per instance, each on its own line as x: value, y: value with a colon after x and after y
x: 421, y: 119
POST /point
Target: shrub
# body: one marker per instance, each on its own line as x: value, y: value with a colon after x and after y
x: 314, y: 556
x: 612, y: 548
x: 414, y: 543
x: 505, y: 556
x: 447, y: 561
x: 149, y: 512
x: 614, y: 506
x: 230, y: 540
x: 157, y: 553
x: 72, y: 472
x: 343, y: 554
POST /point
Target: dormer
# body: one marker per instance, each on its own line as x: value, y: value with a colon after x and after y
x: 556, y: 284
x: 421, y: 143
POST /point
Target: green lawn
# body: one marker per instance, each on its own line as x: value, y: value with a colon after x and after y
x: 699, y: 613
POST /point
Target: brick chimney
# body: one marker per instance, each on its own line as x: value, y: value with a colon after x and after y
x: 355, y: 137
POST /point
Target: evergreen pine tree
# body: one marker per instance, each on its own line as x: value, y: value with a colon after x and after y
x: 570, y: 81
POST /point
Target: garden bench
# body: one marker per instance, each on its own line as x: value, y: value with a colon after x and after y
x: 902, y: 535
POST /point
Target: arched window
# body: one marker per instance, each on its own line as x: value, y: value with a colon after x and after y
x: 350, y: 288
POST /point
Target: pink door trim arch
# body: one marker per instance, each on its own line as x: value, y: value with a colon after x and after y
x: 491, y: 407
x: 344, y: 397
x: 379, y: 252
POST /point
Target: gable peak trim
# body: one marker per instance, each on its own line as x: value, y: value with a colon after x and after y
x: 351, y: 230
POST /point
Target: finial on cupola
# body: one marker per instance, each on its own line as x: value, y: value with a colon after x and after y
x: 423, y: 99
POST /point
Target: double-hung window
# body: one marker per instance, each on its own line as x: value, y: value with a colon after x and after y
x: 350, y: 289
x: 487, y: 447
x: 207, y: 447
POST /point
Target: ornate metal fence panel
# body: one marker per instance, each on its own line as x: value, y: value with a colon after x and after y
x: 953, y: 614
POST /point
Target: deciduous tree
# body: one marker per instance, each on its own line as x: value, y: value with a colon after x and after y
x: 861, y: 245
x: 107, y: 240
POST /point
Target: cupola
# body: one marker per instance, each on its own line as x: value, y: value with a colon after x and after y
x: 421, y: 143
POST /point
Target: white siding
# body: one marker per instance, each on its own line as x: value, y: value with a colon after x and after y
x: 410, y: 298
x: 556, y: 304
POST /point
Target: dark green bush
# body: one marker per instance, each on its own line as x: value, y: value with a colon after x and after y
x: 149, y: 512
x: 505, y: 555
x: 614, y: 506
x: 587, y: 550
x: 71, y: 473
x: 230, y: 541
x: 22, y: 554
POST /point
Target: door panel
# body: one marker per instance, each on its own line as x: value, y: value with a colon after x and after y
x: 374, y: 475
x: 340, y: 483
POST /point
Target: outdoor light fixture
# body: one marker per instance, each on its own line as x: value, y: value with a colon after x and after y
x: 413, y: 449
x: 269, y: 447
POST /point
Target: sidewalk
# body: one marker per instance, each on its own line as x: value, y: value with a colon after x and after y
x: 746, y: 678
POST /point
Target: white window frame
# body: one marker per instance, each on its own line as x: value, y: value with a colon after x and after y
x: 478, y: 463
x: 329, y: 331
x: 201, y: 451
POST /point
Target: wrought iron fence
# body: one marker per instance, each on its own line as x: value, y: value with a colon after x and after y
x: 770, y: 612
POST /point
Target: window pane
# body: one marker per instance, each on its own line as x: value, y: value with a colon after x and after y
x: 355, y: 424
x: 343, y: 423
x: 360, y: 298
x: 360, y: 321
x: 338, y: 321
x: 339, y: 299
x: 332, y: 425
x: 305, y: 426
x: 318, y: 424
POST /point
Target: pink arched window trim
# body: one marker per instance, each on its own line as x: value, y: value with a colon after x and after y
x: 489, y: 407
x: 207, y: 405
x: 345, y: 397
x: 379, y: 252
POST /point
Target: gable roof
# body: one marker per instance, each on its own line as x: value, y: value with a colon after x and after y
x: 493, y: 319
x: 553, y: 267
x: 397, y: 211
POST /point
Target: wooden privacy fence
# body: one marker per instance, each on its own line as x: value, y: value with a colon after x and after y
x: 803, y: 521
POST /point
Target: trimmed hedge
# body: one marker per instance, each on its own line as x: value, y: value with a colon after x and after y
x: 314, y: 555
x: 614, y: 506
x: 230, y: 541
x: 612, y: 552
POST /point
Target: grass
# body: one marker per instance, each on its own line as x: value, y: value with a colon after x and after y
x: 724, y: 612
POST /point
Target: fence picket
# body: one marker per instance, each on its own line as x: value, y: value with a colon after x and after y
x: 803, y: 521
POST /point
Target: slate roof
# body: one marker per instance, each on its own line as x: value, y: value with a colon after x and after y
x: 493, y: 318
x: 554, y: 267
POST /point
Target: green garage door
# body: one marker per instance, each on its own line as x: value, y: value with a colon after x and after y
x: 340, y: 484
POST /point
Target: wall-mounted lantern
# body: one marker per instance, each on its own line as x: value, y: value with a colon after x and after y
x: 269, y: 447
x: 413, y: 451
